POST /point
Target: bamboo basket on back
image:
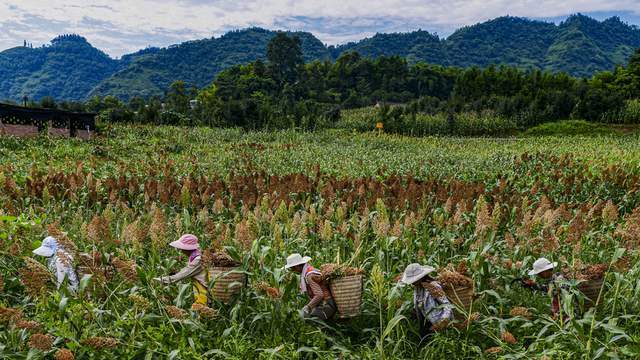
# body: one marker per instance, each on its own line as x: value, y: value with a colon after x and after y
x: 592, y: 277
x: 459, y: 296
x: 347, y: 293
x: 227, y: 282
x: 591, y: 290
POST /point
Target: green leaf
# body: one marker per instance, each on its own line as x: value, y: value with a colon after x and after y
x: 618, y: 254
x: 392, y: 324
x: 216, y: 352
x: 84, y: 282
x: 63, y: 303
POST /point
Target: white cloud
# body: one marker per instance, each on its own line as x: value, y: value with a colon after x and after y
x: 119, y: 26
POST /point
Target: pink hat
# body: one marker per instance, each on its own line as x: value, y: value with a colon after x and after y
x: 186, y: 242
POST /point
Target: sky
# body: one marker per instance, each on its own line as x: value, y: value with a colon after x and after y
x: 123, y: 26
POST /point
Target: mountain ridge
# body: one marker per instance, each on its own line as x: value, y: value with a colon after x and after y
x: 71, y: 68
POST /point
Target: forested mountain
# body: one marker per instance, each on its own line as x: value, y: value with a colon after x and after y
x: 415, y: 46
x: 70, y: 68
x: 196, y: 62
x: 583, y: 45
x: 580, y: 45
x: 67, y: 69
x: 506, y: 40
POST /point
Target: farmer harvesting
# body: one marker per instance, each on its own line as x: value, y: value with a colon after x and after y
x: 552, y: 282
x: 432, y: 307
x: 59, y: 261
x: 194, y: 270
x: 321, y: 305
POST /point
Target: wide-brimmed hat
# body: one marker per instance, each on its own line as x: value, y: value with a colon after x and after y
x: 415, y: 272
x: 295, y: 260
x: 542, y: 265
x: 48, y: 247
x: 186, y: 242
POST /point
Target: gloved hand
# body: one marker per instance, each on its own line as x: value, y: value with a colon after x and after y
x: 305, y: 312
x: 158, y: 279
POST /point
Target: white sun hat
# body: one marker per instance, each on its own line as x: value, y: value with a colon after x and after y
x: 415, y: 272
x: 541, y: 265
x: 295, y: 260
x: 48, y: 247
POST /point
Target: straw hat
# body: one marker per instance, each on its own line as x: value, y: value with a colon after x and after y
x: 295, y: 260
x: 415, y: 272
x: 48, y: 247
x: 542, y: 265
x: 186, y: 242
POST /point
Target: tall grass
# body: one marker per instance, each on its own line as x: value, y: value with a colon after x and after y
x: 420, y: 124
x: 629, y: 114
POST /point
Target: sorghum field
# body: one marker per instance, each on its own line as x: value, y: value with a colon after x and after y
x: 487, y: 207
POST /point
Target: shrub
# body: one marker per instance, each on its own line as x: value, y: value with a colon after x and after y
x: 569, y: 128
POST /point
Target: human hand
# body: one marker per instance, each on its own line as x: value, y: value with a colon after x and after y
x: 305, y: 311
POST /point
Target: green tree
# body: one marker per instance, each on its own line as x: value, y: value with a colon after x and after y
x: 628, y: 79
x: 284, y: 54
x: 178, y: 97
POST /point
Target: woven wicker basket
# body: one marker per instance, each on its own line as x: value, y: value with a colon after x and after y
x: 227, y: 283
x: 461, y: 297
x: 347, y: 293
x: 591, y: 290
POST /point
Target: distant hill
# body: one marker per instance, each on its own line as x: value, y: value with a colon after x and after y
x: 196, y: 62
x: 67, y: 69
x: 580, y: 45
x: 415, y: 46
x: 70, y: 68
x: 506, y: 40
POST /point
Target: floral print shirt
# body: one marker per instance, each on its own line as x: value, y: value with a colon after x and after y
x: 435, y: 309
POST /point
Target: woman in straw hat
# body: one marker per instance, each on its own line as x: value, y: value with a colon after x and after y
x: 552, y: 282
x: 194, y: 270
x: 432, y: 307
x: 59, y: 261
x: 321, y: 305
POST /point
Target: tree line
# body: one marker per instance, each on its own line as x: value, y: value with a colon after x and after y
x: 283, y: 92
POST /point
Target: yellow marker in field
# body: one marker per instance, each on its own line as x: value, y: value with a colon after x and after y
x: 379, y: 125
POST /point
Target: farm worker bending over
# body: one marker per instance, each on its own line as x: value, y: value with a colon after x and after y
x: 553, y: 282
x: 194, y: 270
x: 322, y: 305
x: 432, y: 307
x: 60, y: 262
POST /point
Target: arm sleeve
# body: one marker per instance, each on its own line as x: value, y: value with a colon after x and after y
x: 317, y: 292
x: 61, y: 272
x: 540, y: 287
x: 188, y: 271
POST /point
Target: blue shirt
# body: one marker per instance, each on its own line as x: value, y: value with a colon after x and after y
x: 432, y: 308
x: 61, y: 264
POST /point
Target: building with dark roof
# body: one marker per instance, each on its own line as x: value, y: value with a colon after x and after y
x: 23, y: 121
